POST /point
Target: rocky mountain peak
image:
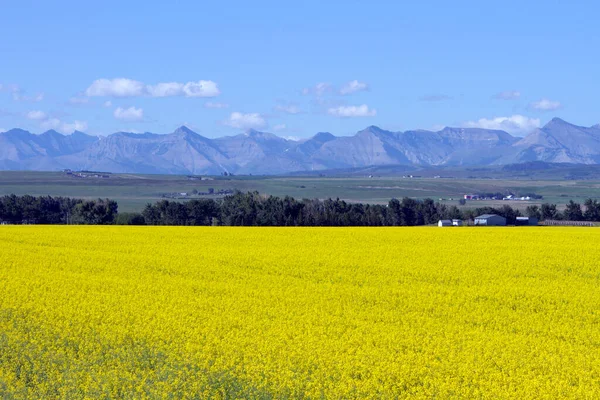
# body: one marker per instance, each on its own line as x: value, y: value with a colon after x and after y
x: 323, y: 137
x: 52, y: 133
x: 185, y: 151
x: 183, y: 131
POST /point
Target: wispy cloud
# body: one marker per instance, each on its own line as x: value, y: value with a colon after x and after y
x: 246, y: 121
x: 435, y: 97
x: 18, y: 94
x: 280, y: 127
x: 130, y: 114
x: 36, y: 115
x: 319, y: 89
x: 323, y: 88
x: 545, y: 104
x: 64, y: 127
x: 107, y: 104
x: 212, y: 104
x: 77, y: 100
x: 123, y: 87
x: 507, y: 95
x: 516, y: 124
x: 288, y: 108
x: 353, y: 87
x: 352, y: 111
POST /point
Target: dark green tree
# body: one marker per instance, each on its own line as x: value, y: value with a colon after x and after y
x: 573, y: 211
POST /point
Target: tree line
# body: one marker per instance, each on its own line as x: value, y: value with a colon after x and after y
x: 254, y: 209
x: 56, y: 210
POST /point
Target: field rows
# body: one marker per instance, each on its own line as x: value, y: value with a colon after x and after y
x: 299, y: 312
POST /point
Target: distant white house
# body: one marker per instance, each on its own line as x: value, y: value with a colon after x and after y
x: 445, y: 222
x: 457, y: 222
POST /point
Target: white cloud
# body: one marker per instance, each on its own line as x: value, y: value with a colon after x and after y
x: 353, y: 87
x: 123, y: 87
x: 319, y: 89
x: 201, y: 89
x: 288, y: 108
x: 64, y: 127
x: 545, y: 105
x: 107, y: 104
x: 515, y: 124
x: 119, y: 87
x: 130, y: 114
x: 211, y: 104
x: 167, y: 89
x: 18, y: 94
x: 279, y: 127
x: 37, y: 115
x: 507, y: 95
x: 352, y: 111
x: 246, y: 121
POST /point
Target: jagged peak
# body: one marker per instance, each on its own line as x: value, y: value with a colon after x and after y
x: 79, y: 133
x: 323, y: 137
x: 253, y: 133
x: 184, y: 130
x: 554, y: 122
x: 18, y: 131
x: 373, y: 130
x: 52, y: 132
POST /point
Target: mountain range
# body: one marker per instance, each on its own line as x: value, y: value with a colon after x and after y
x: 254, y: 152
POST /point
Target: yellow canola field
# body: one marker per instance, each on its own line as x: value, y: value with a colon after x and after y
x: 180, y: 312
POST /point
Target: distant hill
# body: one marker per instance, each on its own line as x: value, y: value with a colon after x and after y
x: 186, y: 152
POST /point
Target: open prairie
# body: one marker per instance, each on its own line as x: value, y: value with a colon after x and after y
x: 128, y: 312
x: 134, y: 191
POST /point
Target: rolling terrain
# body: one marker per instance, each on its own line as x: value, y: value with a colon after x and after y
x: 134, y: 191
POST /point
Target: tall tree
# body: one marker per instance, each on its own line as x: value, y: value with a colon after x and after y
x: 573, y: 211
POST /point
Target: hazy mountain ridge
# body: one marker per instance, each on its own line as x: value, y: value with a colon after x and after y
x: 186, y: 152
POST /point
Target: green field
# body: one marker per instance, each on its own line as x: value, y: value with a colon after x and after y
x: 133, y: 191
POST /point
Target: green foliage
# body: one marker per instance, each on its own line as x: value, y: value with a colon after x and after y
x: 95, y: 212
x: 573, y: 211
x: 254, y: 209
x: 592, y: 210
x: 534, y: 211
x: 130, y: 219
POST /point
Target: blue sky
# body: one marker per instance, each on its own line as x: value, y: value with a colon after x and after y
x: 297, y: 68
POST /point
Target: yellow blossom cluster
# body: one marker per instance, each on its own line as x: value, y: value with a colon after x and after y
x: 214, y: 312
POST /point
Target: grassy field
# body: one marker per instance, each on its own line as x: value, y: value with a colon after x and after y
x: 168, y: 312
x: 134, y: 191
